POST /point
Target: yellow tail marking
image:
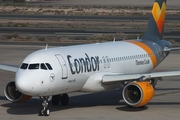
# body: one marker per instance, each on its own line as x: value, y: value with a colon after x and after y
x: 159, y: 15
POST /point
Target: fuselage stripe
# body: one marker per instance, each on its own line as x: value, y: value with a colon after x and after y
x: 148, y: 50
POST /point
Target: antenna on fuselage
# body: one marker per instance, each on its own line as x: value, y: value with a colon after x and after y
x: 114, y: 40
x: 137, y: 37
x: 46, y: 46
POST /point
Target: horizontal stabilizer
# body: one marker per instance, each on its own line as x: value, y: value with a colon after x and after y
x: 174, y: 49
x: 171, y: 49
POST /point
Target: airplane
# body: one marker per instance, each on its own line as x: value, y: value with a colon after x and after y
x: 55, y: 72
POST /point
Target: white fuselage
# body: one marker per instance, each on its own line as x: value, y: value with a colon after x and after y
x: 81, y: 68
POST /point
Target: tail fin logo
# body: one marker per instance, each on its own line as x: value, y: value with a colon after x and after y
x: 159, y: 15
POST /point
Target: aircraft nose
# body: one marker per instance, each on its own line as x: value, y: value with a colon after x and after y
x: 24, y: 83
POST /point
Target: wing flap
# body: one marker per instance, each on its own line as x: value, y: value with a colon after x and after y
x: 8, y: 68
x: 126, y: 77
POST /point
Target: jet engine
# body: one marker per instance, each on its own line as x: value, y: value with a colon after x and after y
x: 138, y: 94
x: 13, y: 95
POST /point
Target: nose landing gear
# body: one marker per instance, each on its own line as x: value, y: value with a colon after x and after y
x: 44, y: 111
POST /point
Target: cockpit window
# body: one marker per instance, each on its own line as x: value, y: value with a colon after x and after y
x: 24, y: 66
x: 49, y: 66
x: 34, y: 66
x: 43, y: 66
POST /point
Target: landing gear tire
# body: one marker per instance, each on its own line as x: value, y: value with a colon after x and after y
x: 64, y: 99
x: 44, y: 112
x: 55, y: 100
x: 41, y: 112
x: 47, y: 112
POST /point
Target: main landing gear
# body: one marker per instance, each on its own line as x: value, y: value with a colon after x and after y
x: 44, y: 111
x: 64, y: 99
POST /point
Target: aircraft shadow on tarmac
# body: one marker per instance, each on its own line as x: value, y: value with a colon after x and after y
x: 110, y: 98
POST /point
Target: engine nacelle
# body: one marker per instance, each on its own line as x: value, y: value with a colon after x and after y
x: 13, y: 95
x: 138, y: 94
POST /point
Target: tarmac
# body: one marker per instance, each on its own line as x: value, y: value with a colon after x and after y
x: 87, y: 106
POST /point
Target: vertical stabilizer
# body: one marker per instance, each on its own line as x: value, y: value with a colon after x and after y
x: 155, y: 28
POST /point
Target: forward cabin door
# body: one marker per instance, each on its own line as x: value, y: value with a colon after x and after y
x: 63, y: 66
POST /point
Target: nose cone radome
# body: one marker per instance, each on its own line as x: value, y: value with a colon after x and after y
x: 25, y: 83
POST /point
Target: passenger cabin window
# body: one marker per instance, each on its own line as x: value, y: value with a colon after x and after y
x: 33, y: 66
x: 49, y: 66
x: 24, y: 66
x: 43, y: 66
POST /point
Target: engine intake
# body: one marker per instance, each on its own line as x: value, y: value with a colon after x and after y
x: 12, y: 93
x: 138, y: 94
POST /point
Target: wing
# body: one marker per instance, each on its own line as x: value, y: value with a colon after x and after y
x: 126, y: 77
x: 8, y: 68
